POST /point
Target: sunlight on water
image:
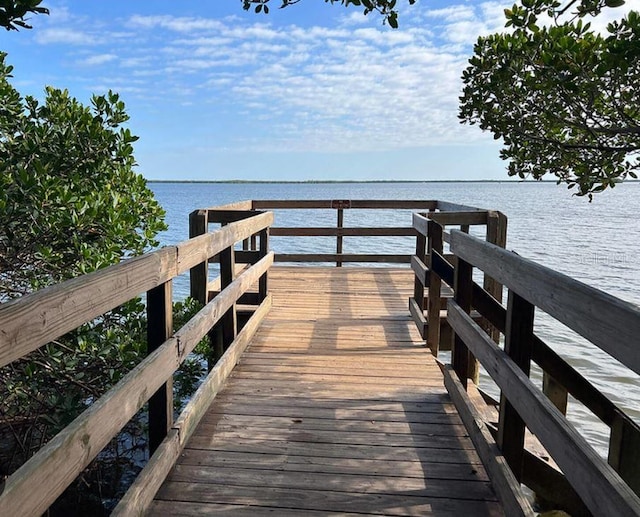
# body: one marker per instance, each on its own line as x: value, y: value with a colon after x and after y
x: 596, y: 243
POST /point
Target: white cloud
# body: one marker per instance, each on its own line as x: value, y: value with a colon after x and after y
x: 63, y: 36
x: 98, y: 59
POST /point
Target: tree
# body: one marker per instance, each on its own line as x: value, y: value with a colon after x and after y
x: 70, y: 203
x: 13, y: 13
x: 562, y: 97
x: 385, y: 8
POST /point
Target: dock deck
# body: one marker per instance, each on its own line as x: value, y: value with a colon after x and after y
x: 336, y: 407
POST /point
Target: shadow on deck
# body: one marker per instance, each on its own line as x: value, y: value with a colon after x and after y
x: 336, y: 407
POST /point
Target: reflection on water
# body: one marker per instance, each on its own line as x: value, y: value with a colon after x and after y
x: 596, y: 243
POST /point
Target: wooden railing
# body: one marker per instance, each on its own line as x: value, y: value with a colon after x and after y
x: 585, y: 483
x: 38, y: 318
x: 226, y: 213
x: 431, y: 266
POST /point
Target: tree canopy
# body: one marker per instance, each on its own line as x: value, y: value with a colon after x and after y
x: 562, y: 97
x: 386, y: 8
x: 14, y: 13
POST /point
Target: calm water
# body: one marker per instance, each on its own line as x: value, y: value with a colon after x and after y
x: 597, y: 243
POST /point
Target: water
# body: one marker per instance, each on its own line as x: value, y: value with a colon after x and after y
x: 596, y: 243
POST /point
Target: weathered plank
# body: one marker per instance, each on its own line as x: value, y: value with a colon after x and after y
x: 336, y: 399
x: 592, y: 313
x: 600, y: 487
x: 35, y: 319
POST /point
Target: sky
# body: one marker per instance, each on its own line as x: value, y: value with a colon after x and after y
x: 310, y: 92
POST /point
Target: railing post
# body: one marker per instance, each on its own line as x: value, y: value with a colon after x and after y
x: 418, y: 288
x: 199, y: 275
x: 555, y: 392
x: 228, y: 323
x: 496, y: 234
x: 435, y: 284
x: 624, y: 450
x: 159, y: 329
x: 463, y: 288
x: 518, y: 345
x: 339, y: 236
x: 263, y: 283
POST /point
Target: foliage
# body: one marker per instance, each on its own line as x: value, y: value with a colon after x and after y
x: 13, y: 13
x: 385, y: 8
x: 562, y: 97
x: 70, y: 203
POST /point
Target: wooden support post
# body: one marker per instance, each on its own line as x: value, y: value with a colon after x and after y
x: 624, y: 450
x: 555, y: 392
x: 229, y: 321
x: 518, y: 345
x: 418, y: 288
x: 159, y: 329
x: 435, y: 285
x: 198, y: 275
x: 463, y: 287
x: 496, y: 234
x: 339, y: 236
x: 263, y: 283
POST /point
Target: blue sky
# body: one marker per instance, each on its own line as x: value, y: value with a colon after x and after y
x: 308, y: 92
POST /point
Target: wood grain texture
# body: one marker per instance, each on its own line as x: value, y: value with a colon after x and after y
x: 600, y: 487
x: 336, y: 407
x: 590, y: 312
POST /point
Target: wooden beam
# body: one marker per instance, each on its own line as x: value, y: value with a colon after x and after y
x: 139, y: 496
x: 396, y: 231
x: 347, y: 257
x: 38, y: 318
x: 199, y: 273
x: 505, y: 484
x: 600, y: 487
x: 518, y: 345
x: 159, y: 329
x: 590, y: 312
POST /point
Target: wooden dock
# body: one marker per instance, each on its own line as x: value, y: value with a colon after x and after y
x: 324, y: 394
x: 337, y: 406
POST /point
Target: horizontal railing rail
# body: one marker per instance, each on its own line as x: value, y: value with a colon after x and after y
x: 36, y: 319
x: 602, y: 487
x: 432, y: 266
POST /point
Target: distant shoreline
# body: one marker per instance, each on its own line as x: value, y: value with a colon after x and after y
x: 344, y: 181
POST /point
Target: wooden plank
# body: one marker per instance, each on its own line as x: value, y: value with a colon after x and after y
x: 475, y: 217
x: 219, y: 215
x: 330, y: 502
x: 425, y: 470
x: 504, y: 482
x: 421, y: 224
x: 346, y: 257
x: 37, y: 484
x: 600, y: 487
x: 593, y: 314
x: 421, y: 271
x: 454, y: 489
x: 315, y: 231
x: 445, y: 206
x: 238, y: 205
x: 201, y: 248
x: 417, y: 314
x: 38, y: 318
x: 140, y: 495
x: 355, y: 203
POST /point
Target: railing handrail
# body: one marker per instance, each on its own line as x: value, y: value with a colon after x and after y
x: 38, y: 318
x: 35, y: 319
x: 592, y: 313
x: 596, y: 316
